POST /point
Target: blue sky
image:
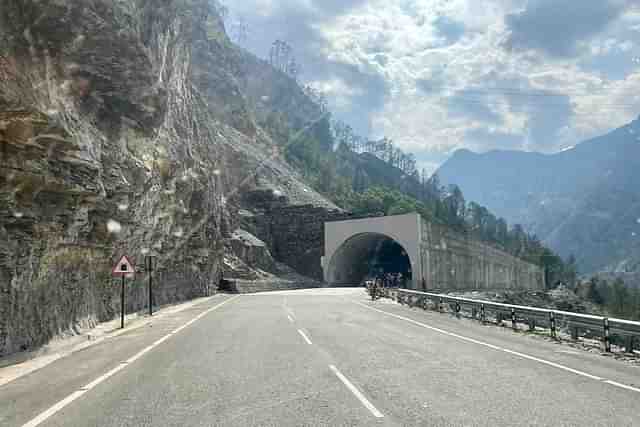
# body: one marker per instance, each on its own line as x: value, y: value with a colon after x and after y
x: 439, y: 75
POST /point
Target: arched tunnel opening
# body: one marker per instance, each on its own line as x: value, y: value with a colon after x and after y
x: 365, y: 256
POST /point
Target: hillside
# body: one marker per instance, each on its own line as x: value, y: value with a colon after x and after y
x: 581, y: 201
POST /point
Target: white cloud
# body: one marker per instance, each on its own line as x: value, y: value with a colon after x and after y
x: 550, y: 103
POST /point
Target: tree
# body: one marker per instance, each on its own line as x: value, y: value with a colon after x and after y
x: 593, y: 291
x: 281, y: 58
x: 455, y: 206
x: 502, y: 231
x: 618, y: 303
x: 571, y: 271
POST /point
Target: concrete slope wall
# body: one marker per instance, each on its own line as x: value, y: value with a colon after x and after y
x: 453, y: 261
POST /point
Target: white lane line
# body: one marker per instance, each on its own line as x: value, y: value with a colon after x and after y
x: 514, y: 353
x: 290, y: 318
x: 306, y: 338
x: 627, y: 387
x: 48, y: 413
x: 555, y: 365
x: 356, y: 392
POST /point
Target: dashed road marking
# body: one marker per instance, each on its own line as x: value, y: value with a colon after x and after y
x: 306, y: 338
x: 356, y: 392
x: 290, y: 318
x: 48, y: 413
x: 494, y: 347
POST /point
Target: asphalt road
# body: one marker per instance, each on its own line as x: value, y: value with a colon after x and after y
x: 323, y: 358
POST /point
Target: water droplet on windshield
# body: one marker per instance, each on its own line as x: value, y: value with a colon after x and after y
x: 145, y: 251
x: 277, y: 193
x: 123, y: 207
x: 178, y: 233
x: 217, y: 172
x: 18, y: 214
x: 114, y: 226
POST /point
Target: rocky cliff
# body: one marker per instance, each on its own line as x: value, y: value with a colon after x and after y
x: 125, y: 128
x: 106, y: 148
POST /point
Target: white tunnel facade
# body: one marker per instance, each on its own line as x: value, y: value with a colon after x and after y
x: 348, y: 243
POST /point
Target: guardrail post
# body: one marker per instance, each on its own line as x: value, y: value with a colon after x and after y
x: 457, y: 309
x: 606, y: 338
x: 474, y: 312
x: 552, y: 324
x: 574, y: 333
x: 532, y: 325
x: 629, y: 344
x: 482, y: 314
x: 513, y: 319
x: 441, y: 305
x: 425, y: 301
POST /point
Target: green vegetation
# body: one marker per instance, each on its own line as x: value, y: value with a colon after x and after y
x: 617, y: 299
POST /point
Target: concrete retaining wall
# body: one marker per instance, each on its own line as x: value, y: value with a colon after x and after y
x: 453, y: 261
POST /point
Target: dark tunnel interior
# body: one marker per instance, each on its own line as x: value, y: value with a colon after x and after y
x: 368, y: 255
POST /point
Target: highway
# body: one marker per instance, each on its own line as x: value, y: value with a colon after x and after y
x: 324, y: 357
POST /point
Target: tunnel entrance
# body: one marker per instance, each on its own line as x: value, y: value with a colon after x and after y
x: 368, y: 255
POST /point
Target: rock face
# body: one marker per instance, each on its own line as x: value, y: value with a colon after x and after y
x: 106, y: 148
x: 294, y: 234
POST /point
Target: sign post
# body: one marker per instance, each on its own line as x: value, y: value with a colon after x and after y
x: 122, y: 304
x: 149, y: 268
x: 123, y: 268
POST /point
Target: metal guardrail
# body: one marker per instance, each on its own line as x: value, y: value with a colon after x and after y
x: 554, y: 320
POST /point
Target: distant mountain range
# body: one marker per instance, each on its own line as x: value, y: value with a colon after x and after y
x: 583, y: 201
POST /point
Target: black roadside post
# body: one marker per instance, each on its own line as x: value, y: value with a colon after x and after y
x: 149, y: 266
x: 606, y: 338
x: 122, y: 304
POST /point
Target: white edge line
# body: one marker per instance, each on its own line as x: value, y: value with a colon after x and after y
x: 306, y: 338
x: 356, y: 393
x: 48, y: 413
x: 515, y: 353
x: 627, y: 387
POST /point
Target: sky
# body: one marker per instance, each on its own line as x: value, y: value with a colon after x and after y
x: 441, y: 75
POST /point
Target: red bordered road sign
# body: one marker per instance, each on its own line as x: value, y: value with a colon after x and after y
x: 124, y: 267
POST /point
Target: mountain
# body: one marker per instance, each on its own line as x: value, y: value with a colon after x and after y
x: 582, y: 201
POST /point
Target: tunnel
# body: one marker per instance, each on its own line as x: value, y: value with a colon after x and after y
x: 367, y: 255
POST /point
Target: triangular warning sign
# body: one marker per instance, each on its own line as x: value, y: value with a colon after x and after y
x: 124, y: 267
